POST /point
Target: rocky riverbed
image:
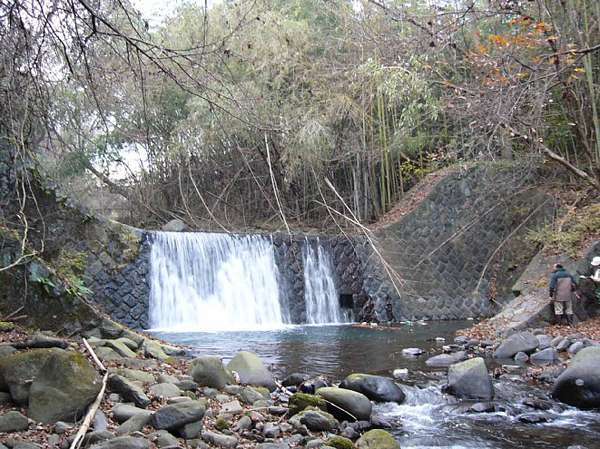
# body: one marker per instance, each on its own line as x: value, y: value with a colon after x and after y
x: 158, y: 395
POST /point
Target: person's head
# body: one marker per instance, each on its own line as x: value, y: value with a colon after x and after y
x: 556, y: 267
x: 596, y: 261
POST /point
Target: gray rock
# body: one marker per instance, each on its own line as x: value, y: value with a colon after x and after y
x: 191, y: 430
x: 244, y: 423
x: 278, y: 410
x: 446, y: 359
x: 123, y: 443
x: 178, y: 399
x: 172, y: 417
x: 131, y: 344
x: 579, y: 385
x: 63, y: 388
x: 127, y: 390
x: 6, y: 350
x: 156, y: 351
x: 273, y: 446
x: 175, y: 225
x: 576, y: 347
x: 233, y: 389
x: 357, y: 405
x: 249, y: 396
x: 5, y: 398
x: 412, y: 352
x: 53, y: 440
x: 135, y: 423
x: 521, y: 357
x: 165, y: 390
x: 314, y: 443
x: 220, y: 440
x: 233, y: 407
x: 97, y: 436
x: 61, y: 427
x: 376, y: 388
x: 165, y: 439
x: 472, y: 343
x: 251, y: 370
x: 13, y: 422
x: 18, y: 369
x: 106, y: 353
x: 123, y: 412
x: 486, y: 343
x: 120, y: 348
x: 317, y: 420
x: 100, y: 422
x: 563, y: 345
x: 545, y: 356
x: 470, y: 380
x: 187, y: 385
x: 294, y: 379
x: 208, y: 371
x: 167, y: 379
x: 523, y: 342
x: 483, y: 407
x: 135, y: 374
x: 23, y: 445
x: 587, y: 342
x: 556, y: 340
x: 271, y: 430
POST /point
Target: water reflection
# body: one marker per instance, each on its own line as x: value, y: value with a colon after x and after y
x: 334, y: 350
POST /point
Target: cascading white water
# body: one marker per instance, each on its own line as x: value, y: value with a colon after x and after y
x: 209, y: 282
x: 320, y: 295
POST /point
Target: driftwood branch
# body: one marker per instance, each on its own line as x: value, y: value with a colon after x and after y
x: 95, y: 405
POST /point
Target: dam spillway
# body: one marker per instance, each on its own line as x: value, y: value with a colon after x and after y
x: 215, y: 281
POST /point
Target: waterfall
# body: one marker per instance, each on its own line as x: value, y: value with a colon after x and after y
x: 320, y: 295
x: 209, y: 281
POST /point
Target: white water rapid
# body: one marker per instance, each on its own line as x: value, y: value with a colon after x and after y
x: 213, y: 282
x: 320, y: 295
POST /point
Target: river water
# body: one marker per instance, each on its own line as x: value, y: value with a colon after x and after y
x: 428, y: 418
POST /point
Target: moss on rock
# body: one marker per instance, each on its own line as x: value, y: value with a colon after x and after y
x: 300, y: 401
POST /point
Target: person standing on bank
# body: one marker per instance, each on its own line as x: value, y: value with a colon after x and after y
x: 562, y: 285
x: 595, y: 277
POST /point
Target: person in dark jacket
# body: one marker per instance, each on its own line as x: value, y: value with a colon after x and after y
x: 562, y: 285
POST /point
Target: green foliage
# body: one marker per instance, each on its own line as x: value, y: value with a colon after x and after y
x: 577, y: 231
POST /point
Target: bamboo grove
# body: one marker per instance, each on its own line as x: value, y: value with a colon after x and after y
x: 305, y: 113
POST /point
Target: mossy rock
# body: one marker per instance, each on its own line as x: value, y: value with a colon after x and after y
x: 6, y: 326
x: 377, y: 439
x: 340, y: 443
x: 64, y: 387
x: 300, y: 401
x: 221, y: 424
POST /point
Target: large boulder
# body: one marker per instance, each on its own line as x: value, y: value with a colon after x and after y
x: 63, y: 388
x: 208, y: 371
x: 579, y: 385
x: 251, y: 370
x: 346, y: 404
x: 377, y: 439
x: 172, y: 417
x: 470, y: 380
x: 19, y: 369
x: 523, y: 342
x: 376, y: 388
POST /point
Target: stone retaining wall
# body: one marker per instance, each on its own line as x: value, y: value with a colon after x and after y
x: 454, y: 256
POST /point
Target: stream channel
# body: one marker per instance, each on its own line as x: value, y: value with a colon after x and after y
x: 428, y: 418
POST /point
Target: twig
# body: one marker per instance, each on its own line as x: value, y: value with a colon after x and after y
x: 95, y: 357
x: 90, y: 416
x: 17, y: 318
x: 13, y: 313
x: 94, y: 407
x: 275, y: 185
